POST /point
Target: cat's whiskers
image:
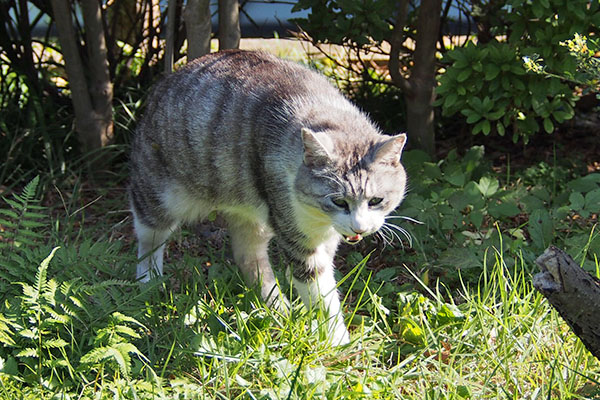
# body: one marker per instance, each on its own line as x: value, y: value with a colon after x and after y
x: 416, y: 221
x: 386, y: 240
x: 402, y: 231
x: 393, y: 234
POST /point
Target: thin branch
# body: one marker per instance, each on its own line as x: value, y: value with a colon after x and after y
x: 396, y: 40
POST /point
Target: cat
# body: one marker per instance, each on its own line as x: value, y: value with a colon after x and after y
x: 280, y: 153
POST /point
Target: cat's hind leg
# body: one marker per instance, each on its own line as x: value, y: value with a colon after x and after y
x: 250, y: 243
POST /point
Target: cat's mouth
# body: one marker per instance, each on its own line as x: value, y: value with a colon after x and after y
x: 352, y: 239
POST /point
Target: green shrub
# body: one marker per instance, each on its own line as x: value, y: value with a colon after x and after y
x: 583, y: 50
x: 466, y: 209
x: 488, y: 85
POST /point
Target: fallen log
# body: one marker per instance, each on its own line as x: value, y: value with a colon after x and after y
x: 573, y: 292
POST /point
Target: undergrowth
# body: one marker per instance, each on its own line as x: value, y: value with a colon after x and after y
x: 74, y: 324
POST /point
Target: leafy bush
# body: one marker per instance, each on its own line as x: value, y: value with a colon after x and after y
x: 359, y: 23
x: 487, y: 82
x: 585, y: 51
x: 467, y: 210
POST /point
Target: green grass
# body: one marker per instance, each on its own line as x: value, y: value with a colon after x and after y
x: 212, y: 339
x: 79, y: 328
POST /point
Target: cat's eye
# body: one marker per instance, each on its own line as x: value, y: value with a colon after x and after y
x: 341, y: 203
x: 375, y: 201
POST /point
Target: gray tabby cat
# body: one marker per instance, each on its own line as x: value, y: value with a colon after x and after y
x: 280, y: 153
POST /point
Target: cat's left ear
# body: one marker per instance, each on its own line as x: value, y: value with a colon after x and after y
x: 318, y: 147
x: 390, y: 151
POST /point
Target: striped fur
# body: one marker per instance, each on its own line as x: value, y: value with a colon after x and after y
x: 273, y: 147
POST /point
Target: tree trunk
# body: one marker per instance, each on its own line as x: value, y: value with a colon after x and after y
x: 198, y: 28
x: 419, y: 88
x: 170, y: 36
x: 229, y: 24
x: 100, y: 85
x: 90, y: 132
x: 574, y: 293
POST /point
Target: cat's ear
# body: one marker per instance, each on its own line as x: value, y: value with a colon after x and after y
x: 390, y: 151
x: 318, y: 147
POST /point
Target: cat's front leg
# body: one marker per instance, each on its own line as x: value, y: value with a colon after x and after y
x: 151, y: 245
x: 315, y: 283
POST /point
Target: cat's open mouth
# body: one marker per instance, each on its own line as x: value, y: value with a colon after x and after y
x: 352, y: 239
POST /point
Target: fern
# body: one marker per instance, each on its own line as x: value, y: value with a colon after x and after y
x: 59, y: 326
x: 24, y: 218
x: 21, y: 232
x: 112, y: 344
x: 49, y: 331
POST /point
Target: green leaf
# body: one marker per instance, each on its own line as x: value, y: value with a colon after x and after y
x: 494, y: 115
x: 463, y: 75
x: 500, y: 128
x: 450, y: 100
x: 476, y: 217
x: 457, y: 55
x: 411, y: 332
x: 27, y: 353
x: 505, y: 209
x: 456, y: 178
x: 585, y: 184
x: 577, y: 201
x: 488, y: 186
x: 548, y: 125
x: 54, y: 343
x: 491, y: 71
x: 561, y: 116
x: 592, y: 201
x: 125, y: 330
x: 473, y: 117
x: 449, y: 313
x: 540, y: 229
x: 10, y: 367
x: 486, y: 127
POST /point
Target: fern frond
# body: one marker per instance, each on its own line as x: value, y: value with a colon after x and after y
x: 54, y: 317
x: 23, y: 217
x: 27, y: 333
x: 95, y: 356
x: 28, y: 352
x: 41, y: 282
x: 56, y: 343
x: 126, y: 330
x: 118, y: 317
x: 29, y: 190
x: 10, y: 214
x: 6, y: 335
x: 22, y: 222
x: 109, y: 353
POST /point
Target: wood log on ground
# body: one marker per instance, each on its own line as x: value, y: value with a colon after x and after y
x: 573, y: 292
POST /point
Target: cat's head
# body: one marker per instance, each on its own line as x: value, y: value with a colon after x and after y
x: 353, y: 182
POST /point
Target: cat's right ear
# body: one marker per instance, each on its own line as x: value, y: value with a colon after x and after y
x: 318, y: 148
